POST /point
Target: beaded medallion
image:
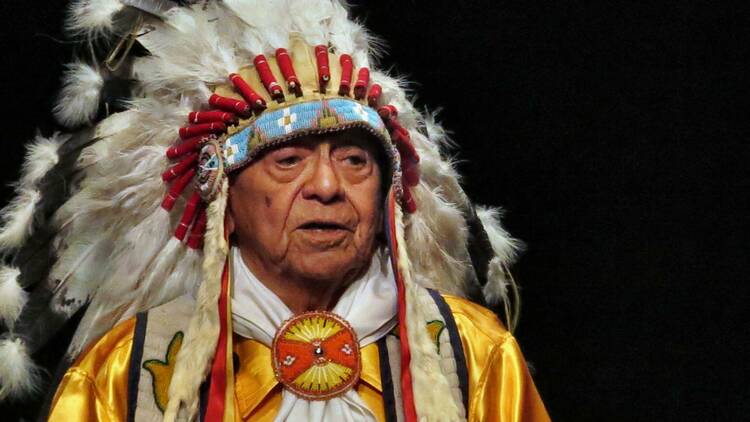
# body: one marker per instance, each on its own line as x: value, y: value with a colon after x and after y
x: 316, y: 355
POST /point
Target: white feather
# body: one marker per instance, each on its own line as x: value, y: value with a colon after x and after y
x: 41, y: 156
x: 12, y: 296
x: 92, y: 17
x: 506, y: 250
x: 19, y: 376
x: 78, y: 101
x: 18, y: 219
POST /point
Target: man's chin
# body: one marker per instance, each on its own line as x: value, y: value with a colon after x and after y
x: 327, y: 266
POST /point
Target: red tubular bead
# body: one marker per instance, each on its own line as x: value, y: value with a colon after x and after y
x: 195, y: 240
x: 176, y: 190
x: 363, y: 79
x: 267, y: 78
x: 374, y: 95
x: 408, y: 201
x: 229, y: 104
x: 387, y: 112
x: 211, y: 116
x: 184, y: 147
x: 180, y: 168
x: 324, y: 72
x: 256, y: 101
x: 187, y: 215
x: 202, y: 129
x: 287, y: 69
x: 346, y: 74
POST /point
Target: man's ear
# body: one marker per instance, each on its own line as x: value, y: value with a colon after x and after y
x: 229, y: 225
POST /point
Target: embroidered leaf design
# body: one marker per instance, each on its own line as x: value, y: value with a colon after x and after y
x: 161, y: 371
x: 435, y: 328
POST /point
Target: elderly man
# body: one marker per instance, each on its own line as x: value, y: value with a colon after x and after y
x: 322, y: 211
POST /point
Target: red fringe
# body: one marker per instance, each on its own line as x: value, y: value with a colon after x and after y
x: 230, y: 104
x: 346, y: 74
x: 266, y: 76
x: 211, y: 116
x: 180, y: 168
x: 176, y: 190
x: 374, y: 95
x: 324, y: 72
x: 287, y: 69
x: 363, y: 79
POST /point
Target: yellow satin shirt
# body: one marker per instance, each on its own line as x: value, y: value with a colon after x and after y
x: 500, y: 387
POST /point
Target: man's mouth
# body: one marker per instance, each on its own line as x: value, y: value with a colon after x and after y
x: 324, y: 226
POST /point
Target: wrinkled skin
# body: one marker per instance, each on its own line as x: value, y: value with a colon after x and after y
x: 306, y: 216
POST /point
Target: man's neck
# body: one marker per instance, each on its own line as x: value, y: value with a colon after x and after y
x: 300, y: 294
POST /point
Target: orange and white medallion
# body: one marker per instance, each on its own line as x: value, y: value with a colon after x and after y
x: 316, y: 355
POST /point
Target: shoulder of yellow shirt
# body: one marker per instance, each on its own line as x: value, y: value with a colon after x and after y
x: 470, y: 316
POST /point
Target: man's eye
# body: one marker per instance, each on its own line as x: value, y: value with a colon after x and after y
x: 288, y: 161
x: 356, y: 160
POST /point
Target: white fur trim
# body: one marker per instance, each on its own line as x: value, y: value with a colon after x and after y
x: 197, y: 352
x: 19, y: 376
x: 433, y: 398
x: 12, y: 295
x: 78, y: 101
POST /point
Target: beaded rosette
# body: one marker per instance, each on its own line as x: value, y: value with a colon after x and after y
x: 316, y: 355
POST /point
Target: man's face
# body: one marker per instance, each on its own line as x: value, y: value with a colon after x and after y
x: 310, y: 209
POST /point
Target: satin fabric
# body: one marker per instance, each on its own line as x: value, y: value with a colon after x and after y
x: 500, y: 387
x: 368, y: 305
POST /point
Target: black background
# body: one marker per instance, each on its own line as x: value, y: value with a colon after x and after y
x: 616, y: 137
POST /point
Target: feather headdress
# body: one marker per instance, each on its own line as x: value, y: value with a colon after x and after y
x: 95, y: 227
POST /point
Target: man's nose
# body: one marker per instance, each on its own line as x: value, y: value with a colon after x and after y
x: 323, y: 184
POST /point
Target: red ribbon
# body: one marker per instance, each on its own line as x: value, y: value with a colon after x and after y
x: 218, y: 379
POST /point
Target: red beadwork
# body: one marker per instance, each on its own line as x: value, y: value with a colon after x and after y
x: 287, y: 69
x: 202, y: 129
x: 185, y: 147
x: 363, y: 79
x: 176, y: 190
x: 180, y: 168
x: 211, y: 116
x: 267, y: 78
x: 247, y: 92
x: 346, y: 74
x: 195, y: 240
x: 324, y: 71
x: 374, y: 95
x: 229, y: 104
x: 187, y: 215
